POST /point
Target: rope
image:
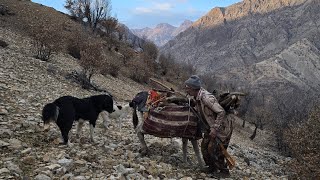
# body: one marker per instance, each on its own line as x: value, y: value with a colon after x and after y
x: 189, y: 103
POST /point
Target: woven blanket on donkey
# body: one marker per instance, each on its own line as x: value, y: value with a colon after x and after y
x: 172, y: 121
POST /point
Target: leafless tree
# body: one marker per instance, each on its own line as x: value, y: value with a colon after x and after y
x: 109, y: 25
x: 46, y: 41
x: 121, y: 32
x: 91, y: 12
x: 303, y: 139
x: 91, y: 59
x: 150, y: 49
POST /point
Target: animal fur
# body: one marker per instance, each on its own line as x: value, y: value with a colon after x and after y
x: 138, y: 104
x: 120, y: 112
x: 67, y: 109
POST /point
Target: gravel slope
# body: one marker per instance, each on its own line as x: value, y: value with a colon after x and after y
x: 27, y: 84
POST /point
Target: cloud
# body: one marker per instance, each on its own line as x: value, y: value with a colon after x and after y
x: 163, y: 6
x: 151, y: 20
x: 142, y: 10
x: 154, y: 8
x: 182, y: 1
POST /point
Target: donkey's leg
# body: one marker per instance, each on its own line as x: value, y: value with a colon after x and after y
x: 197, y: 152
x: 144, y: 148
x: 184, y: 149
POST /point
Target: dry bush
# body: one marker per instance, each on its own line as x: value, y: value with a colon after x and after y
x: 91, y: 59
x: 74, y: 48
x: 109, y: 25
x: 111, y: 65
x: 46, y: 40
x: 150, y: 50
x: 93, y: 11
x: 128, y: 53
x: 76, y: 43
x: 165, y: 63
x: 138, y: 71
x: 304, y: 143
x: 173, y: 71
x: 122, y: 33
x: 179, y: 72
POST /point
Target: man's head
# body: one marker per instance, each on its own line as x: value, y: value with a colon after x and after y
x: 193, y: 84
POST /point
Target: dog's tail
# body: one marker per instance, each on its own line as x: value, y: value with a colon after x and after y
x: 50, y: 112
x: 135, y: 119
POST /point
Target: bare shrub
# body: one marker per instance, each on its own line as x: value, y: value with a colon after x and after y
x: 46, y: 41
x: 165, y: 63
x: 179, y: 72
x: 186, y: 70
x: 73, y: 48
x: 91, y: 12
x: 304, y: 142
x: 122, y: 33
x: 91, y: 59
x: 173, y: 71
x: 81, y: 78
x: 150, y: 50
x: 111, y: 65
x: 128, y: 54
x: 75, y: 44
x: 138, y: 71
x: 109, y: 25
x: 114, y: 69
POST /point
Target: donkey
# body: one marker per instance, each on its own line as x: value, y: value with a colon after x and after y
x: 138, y: 104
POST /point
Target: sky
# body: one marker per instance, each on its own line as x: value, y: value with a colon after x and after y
x: 137, y: 14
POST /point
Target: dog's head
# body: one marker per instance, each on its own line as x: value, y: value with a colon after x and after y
x: 50, y: 113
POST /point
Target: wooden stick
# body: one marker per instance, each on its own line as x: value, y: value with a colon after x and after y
x: 161, y: 84
x: 168, y: 88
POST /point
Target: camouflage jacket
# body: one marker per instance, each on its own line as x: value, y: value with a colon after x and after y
x: 213, y: 114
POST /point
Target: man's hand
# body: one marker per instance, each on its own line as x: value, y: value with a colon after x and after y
x: 213, y: 133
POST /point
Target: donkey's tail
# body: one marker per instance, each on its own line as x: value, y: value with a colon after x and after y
x: 135, y: 119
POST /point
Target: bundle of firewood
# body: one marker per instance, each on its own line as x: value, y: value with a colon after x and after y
x: 230, y: 100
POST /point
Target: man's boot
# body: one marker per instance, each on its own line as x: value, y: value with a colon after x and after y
x: 224, y: 173
x: 208, y: 169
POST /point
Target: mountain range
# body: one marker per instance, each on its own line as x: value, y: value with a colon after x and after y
x: 269, y: 49
x: 162, y: 33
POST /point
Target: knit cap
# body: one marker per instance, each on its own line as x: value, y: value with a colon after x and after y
x: 193, y: 82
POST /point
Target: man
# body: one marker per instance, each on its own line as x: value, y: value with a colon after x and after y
x: 215, y: 126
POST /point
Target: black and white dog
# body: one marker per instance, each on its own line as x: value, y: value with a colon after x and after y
x: 67, y: 109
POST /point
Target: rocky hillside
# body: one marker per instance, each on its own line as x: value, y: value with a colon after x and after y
x: 162, y: 33
x: 269, y: 48
x: 27, y: 152
x: 226, y: 38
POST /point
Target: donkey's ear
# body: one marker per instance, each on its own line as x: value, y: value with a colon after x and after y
x: 119, y: 107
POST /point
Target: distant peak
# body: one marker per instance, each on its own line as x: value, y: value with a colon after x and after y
x: 186, y: 22
x: 164, y: 25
